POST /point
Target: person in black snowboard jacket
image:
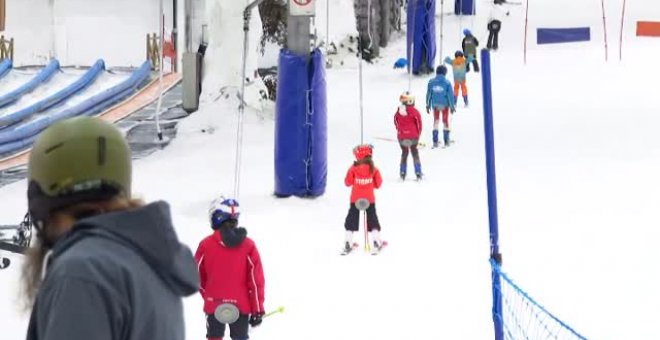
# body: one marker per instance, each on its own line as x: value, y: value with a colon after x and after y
x: 469, y: 45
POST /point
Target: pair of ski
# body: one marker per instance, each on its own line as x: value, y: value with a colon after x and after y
x: 374, y: 251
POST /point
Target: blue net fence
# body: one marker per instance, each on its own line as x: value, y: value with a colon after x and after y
x: 524, y: 318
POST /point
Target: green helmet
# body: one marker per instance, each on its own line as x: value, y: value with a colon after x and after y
x: 77, y: 160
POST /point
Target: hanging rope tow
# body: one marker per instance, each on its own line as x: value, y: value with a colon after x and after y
x: 241, y: 107
x: 161, y: 42
x: 361, y: 49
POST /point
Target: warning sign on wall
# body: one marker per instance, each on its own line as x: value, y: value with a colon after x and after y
x: 302, y: 7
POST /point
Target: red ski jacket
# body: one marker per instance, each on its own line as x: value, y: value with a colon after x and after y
x: 363, y: 182
x: 230, y: 273
x: 408, y: 123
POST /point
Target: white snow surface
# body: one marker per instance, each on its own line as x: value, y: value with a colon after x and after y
x: 577, y: 162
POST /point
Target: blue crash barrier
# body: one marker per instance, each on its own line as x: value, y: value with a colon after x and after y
x: 562, y: 35
x: 421, y: 35
x: 25, y: 130
x: 465, y: 7
x: 301, y: 162
x: 318, y: 131
x: 5, y: 67
x: 41, y: 77
x: 85, y: 80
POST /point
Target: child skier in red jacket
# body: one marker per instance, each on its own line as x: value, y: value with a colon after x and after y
x: 363, y: 177
x: 230, y: 271
x: 408, y: 124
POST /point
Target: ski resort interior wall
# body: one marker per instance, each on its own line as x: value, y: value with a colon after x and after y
x: 78, y: 32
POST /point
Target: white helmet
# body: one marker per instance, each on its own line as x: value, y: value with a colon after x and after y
x: 223, y: 209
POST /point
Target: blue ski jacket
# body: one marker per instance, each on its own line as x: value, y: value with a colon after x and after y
x: 439, y: 93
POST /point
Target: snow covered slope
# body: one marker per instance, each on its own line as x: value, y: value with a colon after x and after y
x: 577, y: 163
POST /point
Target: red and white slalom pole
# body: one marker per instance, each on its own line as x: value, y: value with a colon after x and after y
x: 623, y: 15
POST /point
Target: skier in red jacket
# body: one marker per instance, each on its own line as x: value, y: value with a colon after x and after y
x: 408, y: 124
x: 230, y: 271
x: 363, y: 177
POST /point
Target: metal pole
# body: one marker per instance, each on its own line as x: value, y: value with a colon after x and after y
x: 160, y: 70
x: 623, y: 15
x: 492, y: 191
x: 241, y: 106
x: 175, y: 34
x: 525, y: 43
x: 188, y: 8
x: 604, y: 27
x: 327, y: 25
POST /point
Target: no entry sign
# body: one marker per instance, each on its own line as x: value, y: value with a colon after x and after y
x: 302, y: 7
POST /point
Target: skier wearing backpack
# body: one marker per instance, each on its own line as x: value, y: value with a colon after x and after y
x: 470, y: 44
x: 440, y: 99
x: 230, y: 271
x: 363, y: 177
x: 408, y: 123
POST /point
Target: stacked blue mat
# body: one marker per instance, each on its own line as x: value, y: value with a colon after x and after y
x: 18, y: 131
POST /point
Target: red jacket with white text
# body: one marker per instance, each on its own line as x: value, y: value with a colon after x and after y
x: 408, y: 123
x: 363, y: 182
x: 230, y: 270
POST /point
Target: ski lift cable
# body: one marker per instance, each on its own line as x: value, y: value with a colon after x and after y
x: 241, y: 107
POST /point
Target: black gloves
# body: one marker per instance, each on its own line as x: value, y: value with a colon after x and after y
x: 256, y: 319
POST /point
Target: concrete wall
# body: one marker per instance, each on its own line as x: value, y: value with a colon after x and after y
x: 78, y: 32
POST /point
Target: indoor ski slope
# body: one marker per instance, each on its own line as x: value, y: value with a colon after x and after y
x: 577, y: 161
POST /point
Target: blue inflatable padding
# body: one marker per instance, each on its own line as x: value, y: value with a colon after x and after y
x: 41, y: 77
x: 22, y: 132
x: 562, y: 35
x: 301, y: 125
x: 85, y: 80
x: 421, y: 14
x: 5, y: 67
x: 465, y: 7
x: 319, y: 128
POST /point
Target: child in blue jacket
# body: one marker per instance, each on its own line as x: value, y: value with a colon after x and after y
x: 440, y: 99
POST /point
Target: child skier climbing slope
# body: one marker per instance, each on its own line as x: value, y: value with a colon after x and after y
x: 440, y: 99
x: 408, y: 123
x: 364, y: 178
x: 230, y: 271
x: 459, y: 66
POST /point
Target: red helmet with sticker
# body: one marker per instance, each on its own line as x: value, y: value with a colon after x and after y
x: 362, y: 151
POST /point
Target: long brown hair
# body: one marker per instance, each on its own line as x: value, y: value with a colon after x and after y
x: 366, y: 160
x: 35, y: 256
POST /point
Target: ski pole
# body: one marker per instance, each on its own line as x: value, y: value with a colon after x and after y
x: 367, y: 246
x: 279, y: 309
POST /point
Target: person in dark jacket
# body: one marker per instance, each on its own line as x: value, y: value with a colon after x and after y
x: 408, y: 123
x: 106, y: 266
x: 470, y: 44
x: 230, y: 272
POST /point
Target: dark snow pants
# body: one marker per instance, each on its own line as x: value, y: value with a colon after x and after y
x: 237, y: 330
x: 353, y: 218
x: 494, y: 28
